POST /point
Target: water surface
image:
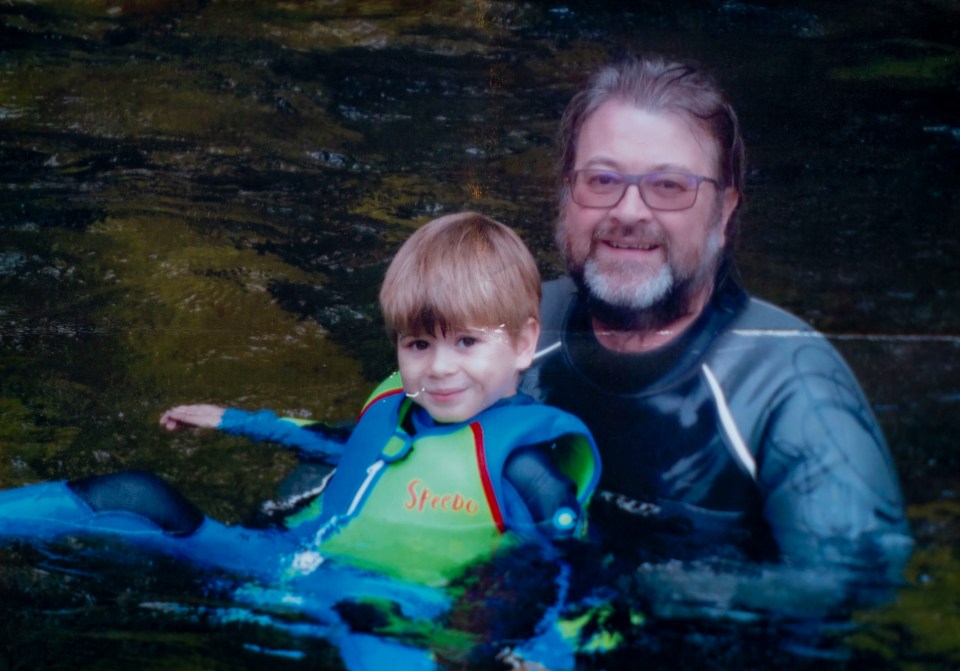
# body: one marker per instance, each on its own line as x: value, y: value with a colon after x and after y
x: 198, y: 200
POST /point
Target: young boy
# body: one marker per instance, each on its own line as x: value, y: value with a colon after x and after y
x: 446, y: 462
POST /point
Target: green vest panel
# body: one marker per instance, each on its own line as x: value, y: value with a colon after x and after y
x: 428, y: 515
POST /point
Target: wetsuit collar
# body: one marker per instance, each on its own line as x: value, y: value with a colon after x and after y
x: 635, y: 372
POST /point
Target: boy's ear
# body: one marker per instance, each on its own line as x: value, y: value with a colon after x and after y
x: 525, y: 343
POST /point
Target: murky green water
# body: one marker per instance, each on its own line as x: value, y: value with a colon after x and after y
x: 197, y: 201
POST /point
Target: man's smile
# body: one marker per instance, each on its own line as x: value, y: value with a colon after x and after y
x: 645, y: 247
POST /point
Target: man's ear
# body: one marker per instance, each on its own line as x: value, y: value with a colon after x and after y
x: 729, y: 200
x: 525, y: 343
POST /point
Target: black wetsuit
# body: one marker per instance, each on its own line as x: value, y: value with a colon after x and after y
x: 748, y: 432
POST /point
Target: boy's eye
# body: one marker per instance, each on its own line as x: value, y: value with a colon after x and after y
x: 418, y: 345
x: 468, y: 341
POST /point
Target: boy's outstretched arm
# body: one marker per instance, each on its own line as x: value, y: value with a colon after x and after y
x: 201, y: 415
x: 311, y: 439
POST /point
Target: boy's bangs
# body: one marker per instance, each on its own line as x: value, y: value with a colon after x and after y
x: 461, y: 271
x: 451, y: 306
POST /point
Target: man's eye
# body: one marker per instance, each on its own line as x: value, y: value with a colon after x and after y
x: 670, y: 184
x: 603, y: 179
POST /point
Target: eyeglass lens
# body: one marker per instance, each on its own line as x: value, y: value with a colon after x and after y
x: 659, y: 190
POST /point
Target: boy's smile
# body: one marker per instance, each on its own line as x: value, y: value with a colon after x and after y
x: 457, y: 375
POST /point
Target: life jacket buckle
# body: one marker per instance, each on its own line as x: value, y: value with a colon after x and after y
x: 398, y: 447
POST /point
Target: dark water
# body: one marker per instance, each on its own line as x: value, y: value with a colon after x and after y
x: 198, y: 199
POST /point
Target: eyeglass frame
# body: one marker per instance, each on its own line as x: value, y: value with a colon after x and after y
x: 637, y: 180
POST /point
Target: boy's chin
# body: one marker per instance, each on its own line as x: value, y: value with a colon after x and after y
x: 449, y: 417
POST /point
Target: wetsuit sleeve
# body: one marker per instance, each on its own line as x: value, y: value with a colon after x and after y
x: 831, y: 489
x: 540, y: 494
x: 310, y: 439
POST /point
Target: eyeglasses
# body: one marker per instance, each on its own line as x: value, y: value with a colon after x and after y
x: 659, y: 190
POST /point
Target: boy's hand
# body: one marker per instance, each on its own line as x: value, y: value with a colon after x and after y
x: 189, y: 416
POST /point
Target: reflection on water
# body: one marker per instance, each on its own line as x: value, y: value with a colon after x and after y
x: 198, y: 199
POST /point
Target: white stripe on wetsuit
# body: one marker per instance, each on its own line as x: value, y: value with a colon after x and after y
x: 729, y: 426
x: 546, y: 350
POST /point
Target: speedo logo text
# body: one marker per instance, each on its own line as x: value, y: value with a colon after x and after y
x: 421, y: 497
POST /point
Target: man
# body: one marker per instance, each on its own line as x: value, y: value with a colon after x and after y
x: 724, y: 423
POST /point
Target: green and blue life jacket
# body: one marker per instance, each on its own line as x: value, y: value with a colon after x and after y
x: 425, y: 505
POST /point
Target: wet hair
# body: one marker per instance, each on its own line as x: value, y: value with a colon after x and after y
x: 660, y: 86
x: 460, y: 271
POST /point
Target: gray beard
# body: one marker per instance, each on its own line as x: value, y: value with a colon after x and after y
x: 651, y: 305
x: 631, y: 297
x: 675, y: 301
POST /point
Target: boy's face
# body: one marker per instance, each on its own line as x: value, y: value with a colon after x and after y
x: 457, y: 375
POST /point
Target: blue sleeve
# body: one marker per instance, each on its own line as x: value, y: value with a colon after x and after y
x: 265, y: 425
x: 539, y: 496
x: 831, y: 489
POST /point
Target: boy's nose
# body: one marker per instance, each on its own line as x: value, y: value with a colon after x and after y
x: 442, y: 362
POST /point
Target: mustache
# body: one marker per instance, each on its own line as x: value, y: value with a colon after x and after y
x: 636, y: 235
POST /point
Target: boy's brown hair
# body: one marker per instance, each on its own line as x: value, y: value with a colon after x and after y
x: 459, y: 271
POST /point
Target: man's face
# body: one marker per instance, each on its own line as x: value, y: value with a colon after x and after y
x: 629, y: 255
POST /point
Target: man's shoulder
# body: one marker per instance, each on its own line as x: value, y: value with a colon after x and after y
x: 554, y: 305
x: 760, y: 314
x: 557, y: 294
x: 765, y: 332
x: 564, y: 283
x: 765, y: 337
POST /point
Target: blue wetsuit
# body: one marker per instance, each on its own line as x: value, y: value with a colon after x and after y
x: 748, y: 431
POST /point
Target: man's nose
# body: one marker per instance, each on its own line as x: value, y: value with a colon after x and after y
x: 631, y: 207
